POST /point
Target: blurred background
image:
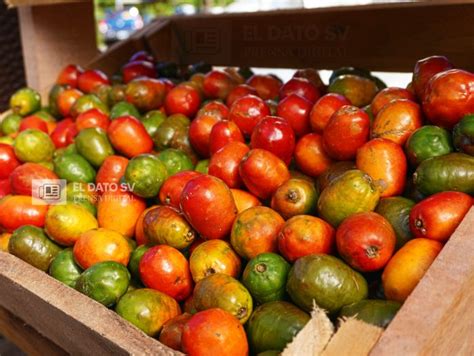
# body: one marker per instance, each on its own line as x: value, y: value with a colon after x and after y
x: 117, y: 20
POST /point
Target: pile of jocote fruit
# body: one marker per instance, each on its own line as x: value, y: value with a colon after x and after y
x: 211, y: 208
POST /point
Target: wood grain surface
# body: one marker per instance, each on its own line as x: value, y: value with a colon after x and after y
x: 438, y: 317
x: 74, y: 322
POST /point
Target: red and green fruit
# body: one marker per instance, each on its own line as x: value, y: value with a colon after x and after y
x: 273, y: 325
x: 397, y: 121
x: 303, y: 235
x: 145, y: 94
x: 396, y: 210
x: 295, y: 110
x: 454, y: 171
x: 275, y: 135
x: 64, y: 268
x: 366, y: 241
x: 247, y: 112
x: 265, y: 277
x: 165, y: 226
x: 352, y: 192
x: 255, y: 231
x: 105, y: 282
x: 134, y: 263
x: 33, y: 146
x: 170, y: 192
x: 147, y: 309
x: 448, y: 97
x: 64, y: 224
x: 175, y: 161
x: 295, y: 197
x: 214, y: 332
x: 30, y: 244
x: 214, y: 256
x: 19, y: 210
x: 200, y: 197
x: 25, y: 101
x: 145, y: 175
x: 225, y: 292
x: 222, y: 133
x: 92, y: 144
x: 350, y: 123
x: 427, y: 68
x: 74, y: 168
x: 326, y: 280
x: 385, y: 162
x: 225, y: 163
x: 360, y: 91
x: 426, y: 142
x: 374, y: 311
x: 463, y: 135
x: 262, y: 172
x: 165, y: 269
x: 172, y: 333
x: 438, y: 216
x: 324, y: 108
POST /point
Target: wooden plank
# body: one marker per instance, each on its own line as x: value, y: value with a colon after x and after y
x: 25, y: 337
x: 71, y: 320
x: 437, y: 318
x: 389, y: 37
x: 122, y: 51
x: 119, y: 53
x: 313, y: 338
x: 354, y: 337
x: 54, y: 36
x: 40, y: 2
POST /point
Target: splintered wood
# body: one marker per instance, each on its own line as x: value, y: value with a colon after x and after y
x: 70, y: 320
x: 354, y: 337
x: 25, y: 337
x: 312, y: 339
x: 438, y: 318
x: 317, y: 338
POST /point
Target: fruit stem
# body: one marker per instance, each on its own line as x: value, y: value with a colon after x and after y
x: 292, y: 196
x: 242, y: 312
x: 372, y: 251
x: 419, y: 226
x: 261, y: 268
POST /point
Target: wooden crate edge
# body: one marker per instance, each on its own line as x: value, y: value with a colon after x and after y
x: 444, y: 290
x: 65, y: 316
x: 324, y: 38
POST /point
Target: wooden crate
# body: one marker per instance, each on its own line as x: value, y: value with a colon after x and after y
x: 43, y: 316
x: 55, y: 33
x: 384, y: 37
